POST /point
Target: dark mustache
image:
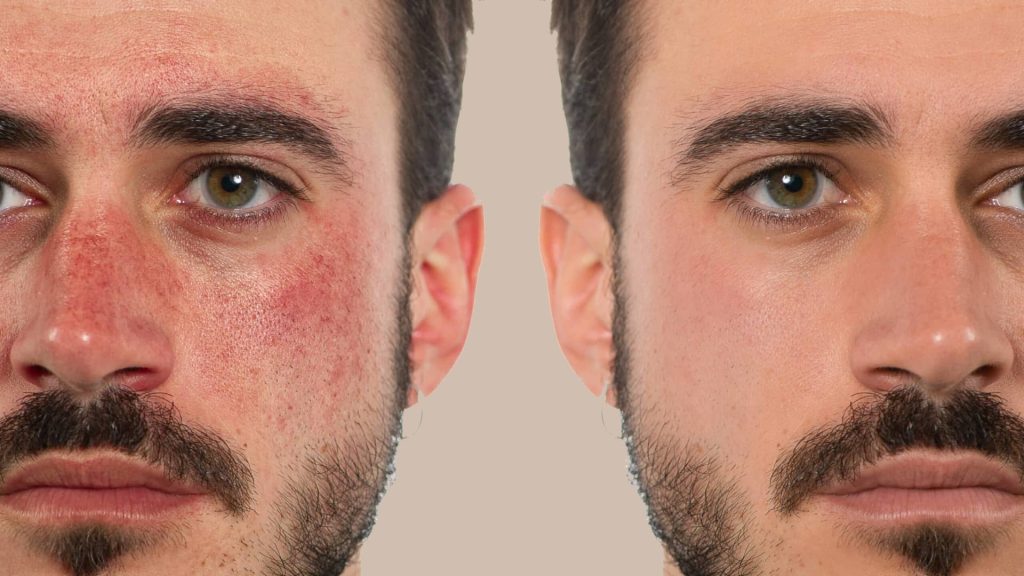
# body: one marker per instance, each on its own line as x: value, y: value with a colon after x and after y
x: 885, y: 425
x: 145, y: 426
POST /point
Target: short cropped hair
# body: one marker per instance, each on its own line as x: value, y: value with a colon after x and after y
x: 598, y: 46
x: 426, y: 50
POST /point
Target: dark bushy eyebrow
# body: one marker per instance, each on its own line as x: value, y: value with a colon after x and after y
x: 1003, y: 133
x: 20, y: 133
x: 234, y: 123
x: 782, y: 122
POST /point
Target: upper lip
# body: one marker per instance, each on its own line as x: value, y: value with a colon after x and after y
x: 96, y: 473
x: 932, y: 471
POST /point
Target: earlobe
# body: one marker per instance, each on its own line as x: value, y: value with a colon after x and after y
x: 575, y: 242
x: 447, y: 248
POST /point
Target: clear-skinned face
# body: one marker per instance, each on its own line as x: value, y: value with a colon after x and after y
x: 821, y: 206
x: 751, y: 332
x: 236, y: 276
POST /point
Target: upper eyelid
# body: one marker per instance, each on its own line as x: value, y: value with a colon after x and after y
x: 983, y: 189
x: 999, y: 183
x: 733, y: 191
x: 4, y: 181
x: 187, y: 171
x: 280, y: 183
x: 736, y: 186
x: 24, y: 183
x: 47, y: 184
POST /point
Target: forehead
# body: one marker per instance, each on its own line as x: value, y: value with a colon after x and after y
x: 918, y: 56
x: 99, y: 58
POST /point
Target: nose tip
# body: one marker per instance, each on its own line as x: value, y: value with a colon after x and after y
x: 95, y: 296
x: 928, y: 302
x: 970, y: 353
x: 84, y: 359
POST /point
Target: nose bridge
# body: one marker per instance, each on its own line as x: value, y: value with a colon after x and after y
x: 927, y: 308
x: 87, y: 267
x: 932, y: 267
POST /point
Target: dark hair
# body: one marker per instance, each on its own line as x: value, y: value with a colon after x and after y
x: 598, y: 45
x: 426, y: 50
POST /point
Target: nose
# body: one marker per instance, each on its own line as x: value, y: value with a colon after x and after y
x: 91, y: 323
x: 926, y: 298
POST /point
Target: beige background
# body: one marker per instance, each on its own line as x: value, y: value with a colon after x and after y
x: 511, y: 471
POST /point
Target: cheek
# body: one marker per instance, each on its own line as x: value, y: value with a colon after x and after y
x: 297, y: 340
x: 725, y: 331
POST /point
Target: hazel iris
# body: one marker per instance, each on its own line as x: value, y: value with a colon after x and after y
x: 232, y: 187
x: 793, y: 187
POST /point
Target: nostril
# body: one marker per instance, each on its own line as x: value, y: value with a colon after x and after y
x: 895, y: 372
x: 85, y: 360
x: 987, y: 373
x: 41, y: 377
x: 134, y: 377
x: 37, y: 374
x: 137, y: 378
x: 131, y: 377
x: 893, y: 376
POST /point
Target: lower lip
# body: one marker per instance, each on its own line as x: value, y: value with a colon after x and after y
x: 901, y: 505
x: 127, y: 504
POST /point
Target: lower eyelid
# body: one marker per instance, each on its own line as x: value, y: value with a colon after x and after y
x: 754, y: 213
x: 784, y: 220
x: 239, y: 221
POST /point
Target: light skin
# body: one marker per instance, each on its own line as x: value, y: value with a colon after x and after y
x: 747, y: 335
x: 277, y: 334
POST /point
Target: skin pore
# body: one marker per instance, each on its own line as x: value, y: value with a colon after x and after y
x: 766, y: 356
x: 204, y: 275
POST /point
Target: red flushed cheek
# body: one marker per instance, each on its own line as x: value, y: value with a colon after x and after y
x: 296, y: 335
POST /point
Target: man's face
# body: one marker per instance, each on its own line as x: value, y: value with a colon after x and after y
x: 200, y: 204
x: 819, y: 296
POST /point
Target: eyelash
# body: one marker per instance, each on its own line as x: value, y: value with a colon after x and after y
x: 252, y: 217
x: 732, y: 195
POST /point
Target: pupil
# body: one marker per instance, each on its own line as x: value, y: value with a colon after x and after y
x: 231, y: 182
x: 792, y: 182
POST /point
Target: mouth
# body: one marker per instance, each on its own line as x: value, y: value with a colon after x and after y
x: 917, y: 487
x: 112, y: 488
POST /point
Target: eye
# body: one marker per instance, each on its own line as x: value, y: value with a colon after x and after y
x: 1012, y: 197
x: 231, y: 188
x: 792, y: 188
x: 11, y: 197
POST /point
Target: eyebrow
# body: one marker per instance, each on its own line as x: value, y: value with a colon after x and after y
x: 20, y: 133
x: 239, y: 123
x: 1002, y: 133
x: 782, y: 122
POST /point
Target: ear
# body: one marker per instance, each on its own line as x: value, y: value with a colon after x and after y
x: 447, y: 243
x: 575, y: 244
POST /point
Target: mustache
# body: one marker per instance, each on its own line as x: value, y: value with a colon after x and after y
x: 144, y: 426
x: 885, y: 425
